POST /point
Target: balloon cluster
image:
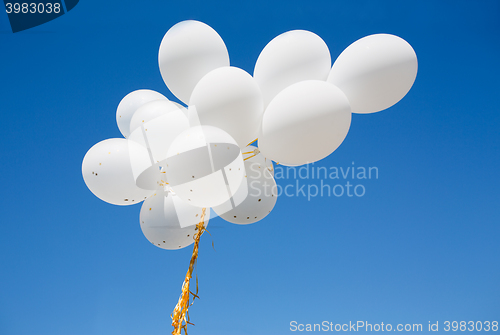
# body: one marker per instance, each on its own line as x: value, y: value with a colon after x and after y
x: 179, y: 160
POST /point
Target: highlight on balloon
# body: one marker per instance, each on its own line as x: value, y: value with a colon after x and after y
x: 295, y: 109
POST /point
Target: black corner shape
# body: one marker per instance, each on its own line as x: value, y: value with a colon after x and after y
x: 26, y: 14
x: 70, y: 4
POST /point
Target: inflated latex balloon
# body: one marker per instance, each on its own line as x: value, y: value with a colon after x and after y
x: 375, y: 72
x: 230, y: 99
x: 107, y: 171
x: 129, y: 104
x: 152, y: 110
x: 155, y: 126
x: 261, y: 198
x: 289, y: 58
x: 188, y: 51
x: 251, y: 152
x: 168, y: 222
x: 160, y: 128
x: 204, y: 166
x: 304, y: 123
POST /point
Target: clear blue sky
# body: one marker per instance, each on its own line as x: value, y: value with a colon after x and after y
x: 421, y: 245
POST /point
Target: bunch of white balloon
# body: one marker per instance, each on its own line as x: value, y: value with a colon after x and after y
x: 180, y: 160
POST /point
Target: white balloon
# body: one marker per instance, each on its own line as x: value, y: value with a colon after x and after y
x: 204, y: 166
x: 129, y: 104
x: 155, y: 125
x: 304, y: 123
x: 252, y: 153
x: 375, y: 72
x: 188, y: 51
x: 168, y: 222
x: 289, y: 58
x: 261, y: 198
x: 153, y: 110
x: 107, y: 171
x: 230, y: 99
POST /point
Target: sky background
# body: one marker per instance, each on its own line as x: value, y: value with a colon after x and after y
x: 423, y: 243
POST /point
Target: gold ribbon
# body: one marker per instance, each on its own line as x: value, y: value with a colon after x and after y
x: 180, y: 315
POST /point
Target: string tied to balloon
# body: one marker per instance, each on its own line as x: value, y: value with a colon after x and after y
x: 180, y: 315
x: 253, y: 152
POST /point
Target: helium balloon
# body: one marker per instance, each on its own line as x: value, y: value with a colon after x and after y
x: 147, y: 174
x: 251, y: 151
x: 107, y: 171
x: 230, y: 99
x: 129, y: 104
x: 304, y: 123
x: 289, y: 58
x: 261, y: 198
x: 375, y: 72
x: 204, y: 166
x: 188, y: 51
x: 168, y: 222
x: 153, y: 110
x: 155, y: 125
x: 159, y: 132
